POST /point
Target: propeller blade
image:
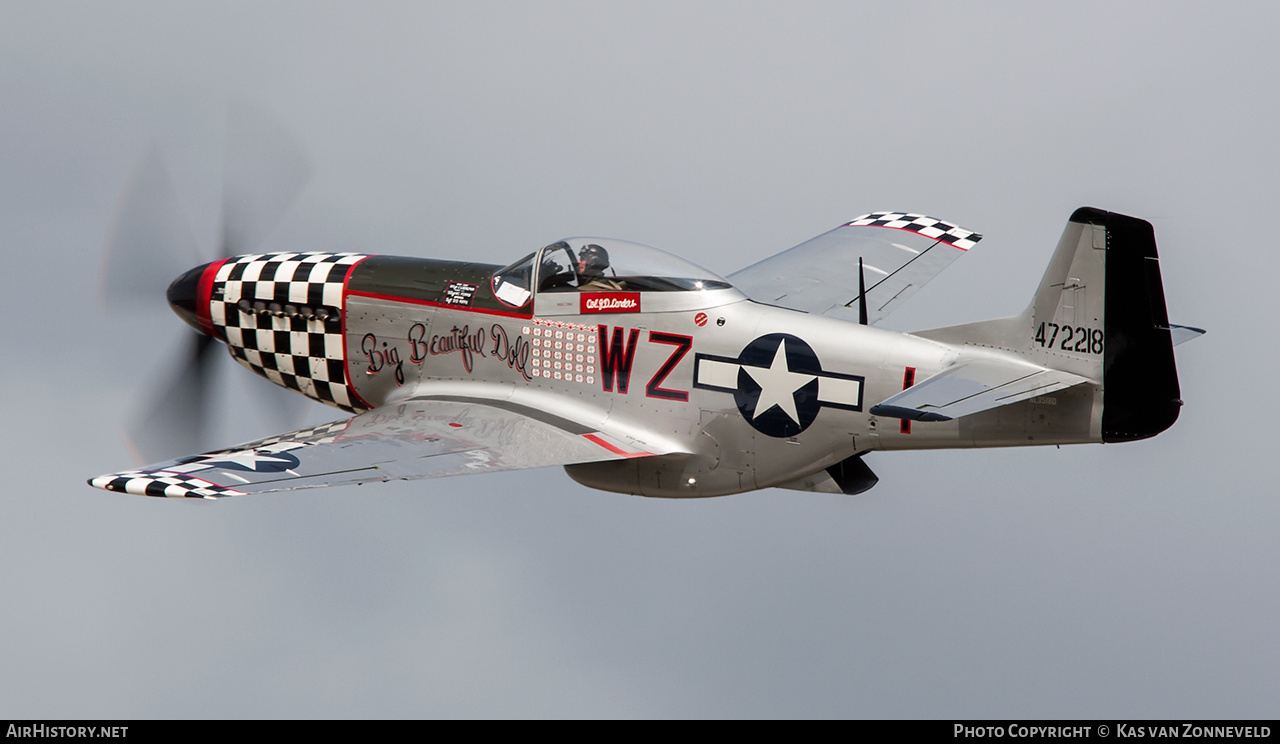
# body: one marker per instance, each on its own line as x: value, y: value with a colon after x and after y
x: 285, y: 408
x: 150, y: 241
x: 151, y: 244
x: 264, y: 169
x: 176, y: 423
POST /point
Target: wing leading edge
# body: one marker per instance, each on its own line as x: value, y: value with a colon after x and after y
x: 900, y: 253
x: 413, y: 439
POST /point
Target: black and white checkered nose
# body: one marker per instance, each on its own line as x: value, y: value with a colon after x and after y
x: 184, y: 294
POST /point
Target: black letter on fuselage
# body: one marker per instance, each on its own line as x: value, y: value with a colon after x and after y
x: 615, y: 364
x: 682, y: 343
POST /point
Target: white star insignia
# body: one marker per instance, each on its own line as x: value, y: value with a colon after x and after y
x: 778, y: 385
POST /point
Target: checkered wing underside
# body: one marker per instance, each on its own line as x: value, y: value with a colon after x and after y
x: 821, y: 275
x: 281, y: 316
x: 163, y: 484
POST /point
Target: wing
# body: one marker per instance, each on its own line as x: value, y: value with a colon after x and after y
x: 900, y: 253
x: 973, y: 386
x: 416, y: 438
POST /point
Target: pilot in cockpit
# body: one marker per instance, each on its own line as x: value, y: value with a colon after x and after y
x: 592, y: 262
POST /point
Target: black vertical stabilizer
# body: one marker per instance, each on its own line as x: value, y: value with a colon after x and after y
x: 1140, y: 394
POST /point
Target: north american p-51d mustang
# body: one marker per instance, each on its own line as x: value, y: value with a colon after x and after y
x: 642, y: 373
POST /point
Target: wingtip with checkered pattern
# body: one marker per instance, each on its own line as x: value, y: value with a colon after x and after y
x: 930, y: 227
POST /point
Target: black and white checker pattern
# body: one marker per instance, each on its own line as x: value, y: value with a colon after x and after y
x: 289, y: 329
x: 320, y: 434
x: 930, y: 227
x: 164, y: 484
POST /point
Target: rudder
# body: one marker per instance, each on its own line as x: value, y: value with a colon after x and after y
x: 1141, y: 397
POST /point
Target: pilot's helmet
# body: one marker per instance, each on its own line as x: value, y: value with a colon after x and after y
x: 594, y: 259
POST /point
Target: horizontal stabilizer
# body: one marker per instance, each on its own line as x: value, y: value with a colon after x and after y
x: 973, y: 386
x: 1182, y: 334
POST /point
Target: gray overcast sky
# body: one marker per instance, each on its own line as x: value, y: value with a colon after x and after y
x: 1134, y: 580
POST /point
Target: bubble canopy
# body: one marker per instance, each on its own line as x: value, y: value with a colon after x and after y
x: 600, y: 265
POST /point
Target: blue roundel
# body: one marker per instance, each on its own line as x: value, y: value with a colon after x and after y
x: 258, y: 461
x: 778, y: 384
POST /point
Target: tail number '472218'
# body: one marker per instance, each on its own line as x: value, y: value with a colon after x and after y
x: 1079, y: 339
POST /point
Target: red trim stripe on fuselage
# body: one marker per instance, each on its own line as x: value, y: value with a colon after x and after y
x: 346, y: 363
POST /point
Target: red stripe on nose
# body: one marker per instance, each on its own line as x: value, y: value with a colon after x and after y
x: 190, y: 293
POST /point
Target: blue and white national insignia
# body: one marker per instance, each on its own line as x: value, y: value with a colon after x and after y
x: 256, y: 461
x: 778, y: 384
